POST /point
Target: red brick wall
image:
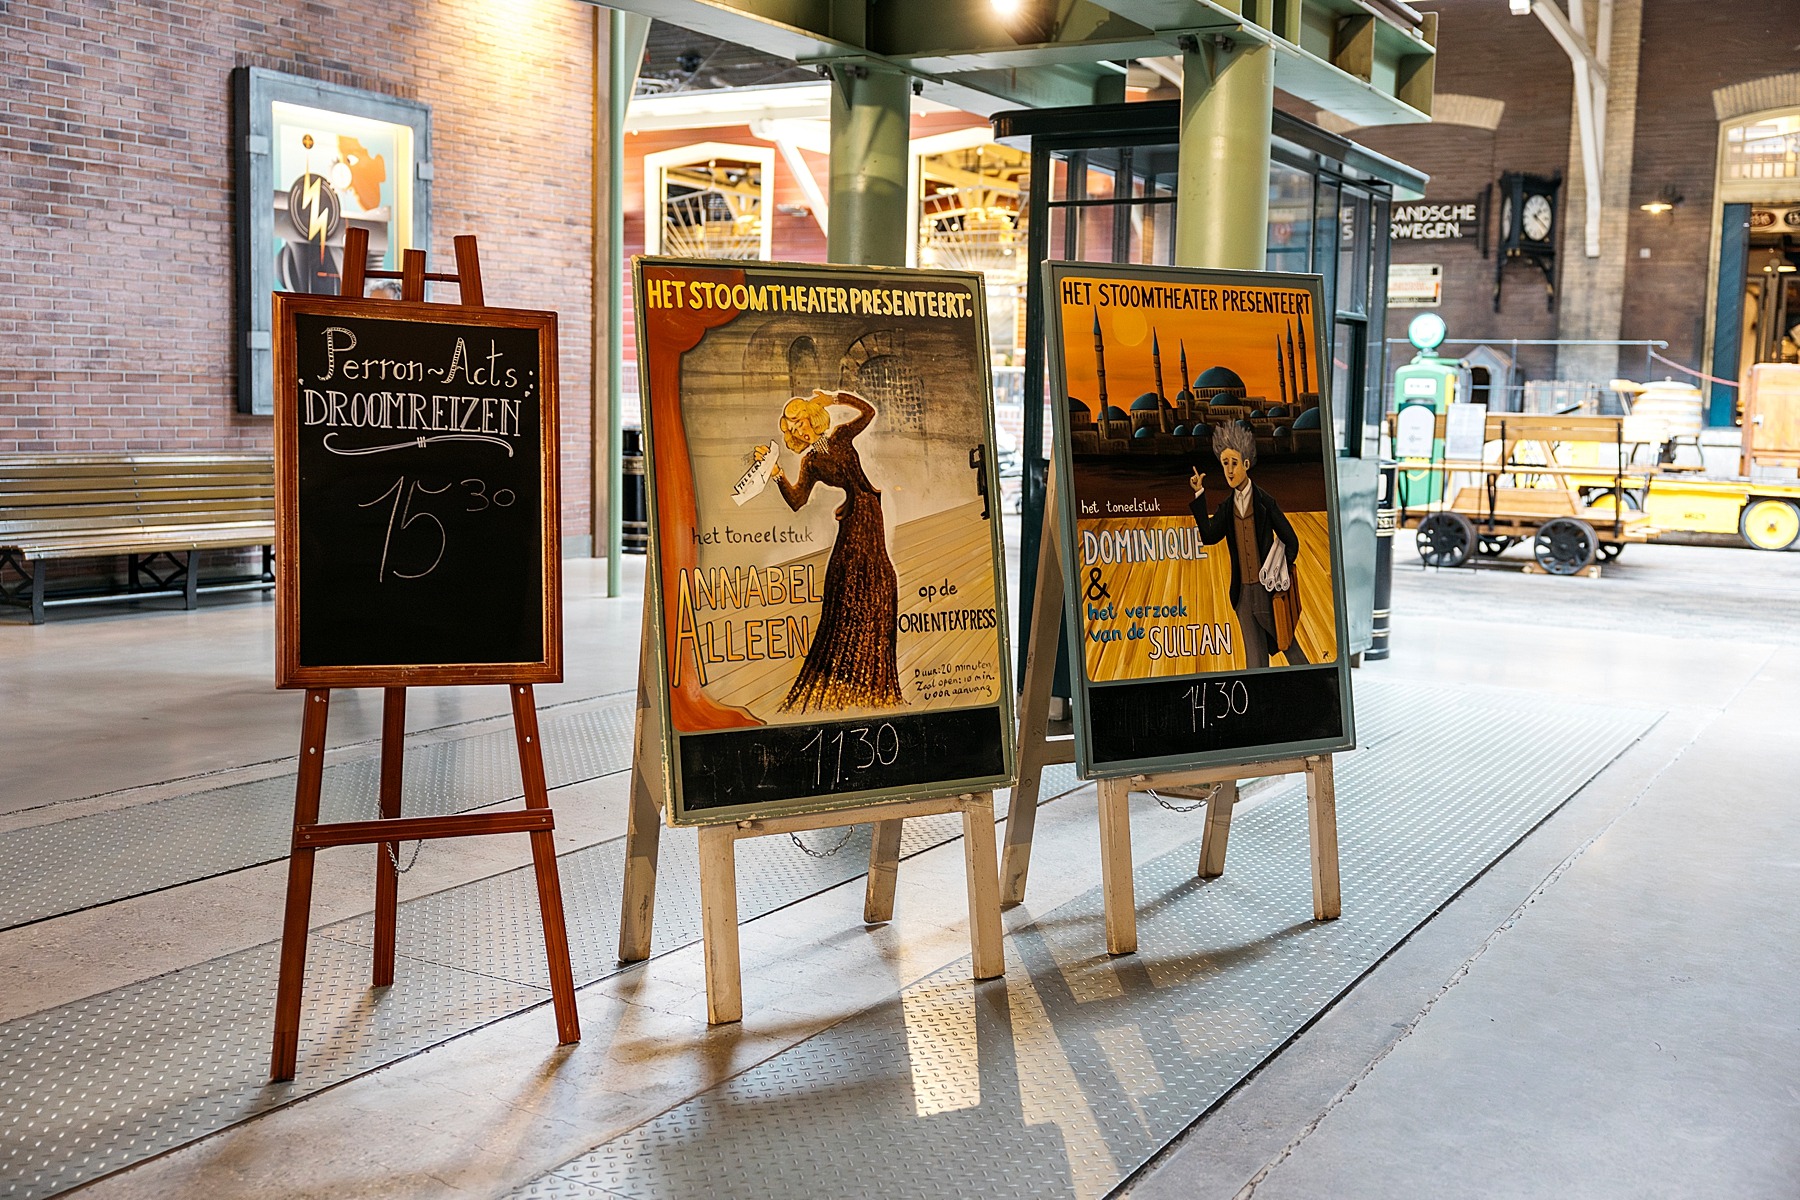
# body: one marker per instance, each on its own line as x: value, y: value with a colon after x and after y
x: 1688, y: 48
x: 116, y: 229
x: 1485, y: 51
x: 1677, y: 144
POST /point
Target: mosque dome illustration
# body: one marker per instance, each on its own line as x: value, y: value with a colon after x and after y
x: 1148, y: 402
x: 1115, y: 413
x: 1308, y: 419
x: 1219, y: 377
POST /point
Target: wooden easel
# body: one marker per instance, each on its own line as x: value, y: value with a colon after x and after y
x: 718, y: 859
x: 1038, y: 749
x: 391, y: 829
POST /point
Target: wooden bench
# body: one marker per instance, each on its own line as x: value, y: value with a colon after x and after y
x: 160, y: 510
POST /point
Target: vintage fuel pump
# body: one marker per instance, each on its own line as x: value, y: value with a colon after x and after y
x: 1424, y: 389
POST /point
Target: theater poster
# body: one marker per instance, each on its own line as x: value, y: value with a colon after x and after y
x: 825, y: 575
x: 1198, y: 496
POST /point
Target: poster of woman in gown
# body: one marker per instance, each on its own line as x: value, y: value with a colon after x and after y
x: 850, y: 663
x: 826, y: 562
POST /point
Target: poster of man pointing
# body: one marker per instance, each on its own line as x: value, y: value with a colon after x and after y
x: 1195, y: 466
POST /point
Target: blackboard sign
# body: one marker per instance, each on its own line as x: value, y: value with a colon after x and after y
x: 1197, y: 485
x: 417, y: 510
x: 826, y: 584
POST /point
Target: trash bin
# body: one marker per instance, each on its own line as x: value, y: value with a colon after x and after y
x: 634, y: 506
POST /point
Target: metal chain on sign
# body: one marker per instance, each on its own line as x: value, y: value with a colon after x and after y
x: 849, y: 832
x: 1177, y: 808
x: 395, y: 858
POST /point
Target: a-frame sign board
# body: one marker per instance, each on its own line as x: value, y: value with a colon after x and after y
x: 415, y: 451
x: 824, y: 613
x: 1207, y: 632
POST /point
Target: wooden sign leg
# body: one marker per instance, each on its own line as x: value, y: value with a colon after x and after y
x: 387, y: 870
x: 299, y: 891
x: 884, y: 871
x: 987, y: 952
x: 643, y: 821
x: 719, y: 924
x: 1321, y: 813
x: 1115, y: 866
x: 1034, y: 706
x: 543, y: 858
x: 1218, y: 828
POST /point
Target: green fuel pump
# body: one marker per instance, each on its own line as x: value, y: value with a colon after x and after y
x: 1424, y: 389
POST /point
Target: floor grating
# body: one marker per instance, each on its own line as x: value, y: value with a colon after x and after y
x: 94, y: 1086
x: 1064, y: 1079
x: 65, y: 866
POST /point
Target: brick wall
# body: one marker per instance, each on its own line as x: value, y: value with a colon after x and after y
x: 1689, y: 48
x: 116, y: 229
x: 1484, y: 51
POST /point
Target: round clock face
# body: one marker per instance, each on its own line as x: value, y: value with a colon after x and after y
x: 1536, y: 218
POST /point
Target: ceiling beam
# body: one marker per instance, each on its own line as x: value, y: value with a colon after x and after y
x: 1053, y: 53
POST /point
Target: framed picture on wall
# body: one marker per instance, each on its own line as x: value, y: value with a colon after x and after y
x: 314, y: 160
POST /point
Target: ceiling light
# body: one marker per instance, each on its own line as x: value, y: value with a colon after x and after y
x: 1520, y: 8
x: 1007, y: 8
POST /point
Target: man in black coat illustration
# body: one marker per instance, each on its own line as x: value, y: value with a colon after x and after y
x: 1264, y: 550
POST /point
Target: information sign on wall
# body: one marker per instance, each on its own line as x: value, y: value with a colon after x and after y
x: 826, y: 565
x: 1198, y: 511
x: 1415, y: 285
x: 1435, y: 220
x: 416, y: 494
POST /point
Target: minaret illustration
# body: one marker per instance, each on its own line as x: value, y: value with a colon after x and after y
x: 1100, y: 365
x: 1186, y: 385
x: 1305, y: 384
x: 1295, y: 389
x: 1156, y: 361
x: 1280, y: 370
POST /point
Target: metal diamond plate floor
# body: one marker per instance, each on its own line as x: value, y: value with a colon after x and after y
x: 65, y: 866
x: 99, y: 1084
x: 1078, y: 1068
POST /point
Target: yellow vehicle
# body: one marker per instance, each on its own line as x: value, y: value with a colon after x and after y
x: 1674, y: 499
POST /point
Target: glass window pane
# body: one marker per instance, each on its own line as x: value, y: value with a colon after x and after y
x: 1325, y: 240
x: 1346, y: 377
x: 1354, y: 234
x: 1290, y: 207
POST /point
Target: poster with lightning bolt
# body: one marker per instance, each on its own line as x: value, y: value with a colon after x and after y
x: 316, y: 161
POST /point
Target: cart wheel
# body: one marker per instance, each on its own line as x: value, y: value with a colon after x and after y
x: 1610, y: 551
x: 1767, y: 524
x: 1493, y: 545
x: 1445, y: 539
x: 1564, y: 545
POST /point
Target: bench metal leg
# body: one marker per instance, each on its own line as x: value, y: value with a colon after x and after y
x: 268, y: 572
x: 37, y: 592
x: 193, y: 579
x: 131, y: 562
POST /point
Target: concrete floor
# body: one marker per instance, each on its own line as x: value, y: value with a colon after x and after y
x: 1607, y: 1011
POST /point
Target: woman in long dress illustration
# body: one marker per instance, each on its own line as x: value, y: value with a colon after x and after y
x: 850, y: 663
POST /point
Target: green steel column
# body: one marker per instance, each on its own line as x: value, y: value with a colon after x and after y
x: 628, y: 33
x: 871, y: 125
x: 1222, y: 214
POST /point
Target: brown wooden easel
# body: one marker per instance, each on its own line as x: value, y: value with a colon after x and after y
x: 391, y: 829
x: 718, y: 859
x: 1040, y: 748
